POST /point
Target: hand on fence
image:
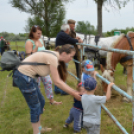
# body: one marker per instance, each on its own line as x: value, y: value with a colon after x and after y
x: 94, y: 75
x: 110, y: 84
x: 80, y: 40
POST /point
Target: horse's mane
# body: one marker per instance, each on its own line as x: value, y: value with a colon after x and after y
x: 109, y: 54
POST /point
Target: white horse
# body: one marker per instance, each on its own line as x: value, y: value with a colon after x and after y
x: 49, y: 41
x: 104, y: 42
x: 96, y: 55
x: 85, y: 39
x: 89, y: 39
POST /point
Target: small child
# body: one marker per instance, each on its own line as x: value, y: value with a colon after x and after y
x: 87, y: 70
x: 91, y: 106
x: 76, y: 112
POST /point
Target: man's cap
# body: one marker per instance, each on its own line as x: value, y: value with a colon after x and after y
x: 88, y: 65
x: 90, y: 84
x: 70, y: 21
x: 1, y: 37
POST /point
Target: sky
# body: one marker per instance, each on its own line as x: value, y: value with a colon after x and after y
x: 14, y: 21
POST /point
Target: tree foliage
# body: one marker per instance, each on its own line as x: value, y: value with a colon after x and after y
x: 113, y: 3
x: 125, y: 31
x: 14, y: 37
x: 117, y: 3
x: 49, y: 14
x: 85, y: 27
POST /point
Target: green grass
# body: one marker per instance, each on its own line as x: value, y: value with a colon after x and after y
x: 14, y: 113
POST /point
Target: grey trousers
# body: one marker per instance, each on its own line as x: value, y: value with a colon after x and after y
x: 91, y: 128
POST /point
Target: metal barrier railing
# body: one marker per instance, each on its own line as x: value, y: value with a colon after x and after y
x: 131, y: 98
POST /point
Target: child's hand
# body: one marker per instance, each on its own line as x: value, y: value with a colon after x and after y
x: 110, y: 84
x: 95, y: 72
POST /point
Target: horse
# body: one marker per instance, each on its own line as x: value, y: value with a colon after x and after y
x: 100, y: 55
x: 124, y: 42
x: 49, y: 42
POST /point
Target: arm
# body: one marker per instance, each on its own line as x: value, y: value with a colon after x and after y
x: 68, y: 39
x: 48, y: 89
x: 43, y: 43
x: 108, y: 94
x: 94, y: 74
x: 29, y: 48
x: 58, y: 82
x: 80, y: 41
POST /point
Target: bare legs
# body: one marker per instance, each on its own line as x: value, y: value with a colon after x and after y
x: 36, y: 126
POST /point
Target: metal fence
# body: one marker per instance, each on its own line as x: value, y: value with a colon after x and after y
x: 120, y: 91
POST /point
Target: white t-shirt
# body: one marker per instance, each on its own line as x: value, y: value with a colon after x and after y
x: 91, y: 108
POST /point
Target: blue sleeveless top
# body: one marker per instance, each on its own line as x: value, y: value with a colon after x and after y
x: 39, y: 48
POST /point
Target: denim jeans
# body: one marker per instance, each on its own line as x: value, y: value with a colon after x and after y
x: 2, y: 50
x: 76, y: 116
x: 59, y: 91
x: 29, y: 88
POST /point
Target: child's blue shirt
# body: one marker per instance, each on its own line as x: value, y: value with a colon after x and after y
x: 84, y: 76
x: 77, y: 104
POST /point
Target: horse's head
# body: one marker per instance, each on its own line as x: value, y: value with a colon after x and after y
x: 109, y: 75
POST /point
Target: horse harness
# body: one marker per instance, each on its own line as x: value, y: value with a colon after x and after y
x: 126, y: 58
x: 96, y: 40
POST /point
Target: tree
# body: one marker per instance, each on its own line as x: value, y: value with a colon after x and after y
x: 125, y: 31
x: 112, y: 3
x: 49, y: 14
x: 85, y: 27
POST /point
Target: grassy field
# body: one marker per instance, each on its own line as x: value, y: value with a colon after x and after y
x: 14, y: 113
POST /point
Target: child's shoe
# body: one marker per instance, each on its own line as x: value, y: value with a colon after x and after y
x: 65, y: 126
x: 75, y: 132
x: 43, y: 130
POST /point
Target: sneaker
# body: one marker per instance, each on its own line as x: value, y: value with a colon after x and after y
x: 65, y: 126
x: 76, y: 132
x: 43, y: 130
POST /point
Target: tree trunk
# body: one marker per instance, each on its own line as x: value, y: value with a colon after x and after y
x: 99, y: 17
x: 46, y: 18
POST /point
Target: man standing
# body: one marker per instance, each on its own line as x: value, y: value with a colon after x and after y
x: 64, y: 38
x: 2, y: 45
x: 72, y: 34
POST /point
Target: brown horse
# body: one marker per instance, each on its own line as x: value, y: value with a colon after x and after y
x: 124, y: 43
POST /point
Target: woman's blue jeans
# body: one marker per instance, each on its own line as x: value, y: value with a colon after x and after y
x: 59, y: 91
x: 29, y: 88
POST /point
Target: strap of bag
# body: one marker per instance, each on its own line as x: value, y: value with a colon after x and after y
x: 36, y: 63
x: 32, y: 63
x: 42, y: 51
x: 49, y: 52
